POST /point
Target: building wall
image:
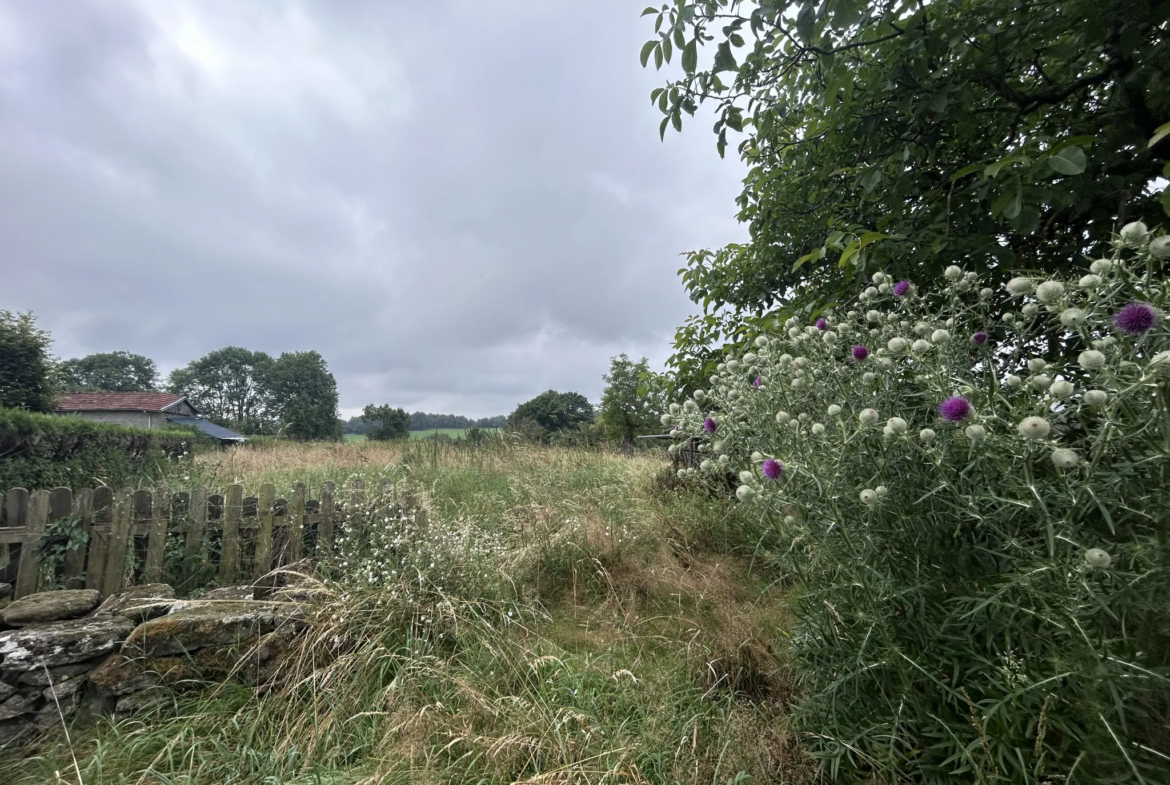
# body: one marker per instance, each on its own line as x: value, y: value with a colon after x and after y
x: 131, y: 419
x: 183, y: 409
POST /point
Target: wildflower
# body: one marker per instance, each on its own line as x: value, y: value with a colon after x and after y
x: 927, y: 435
x: 986, y: 293
x: 1041, y: 382
x: 1102, y: 266
x: 888, y: 432
x: 1102, y: 344
x: 1012, y: 380
x: 873, y: 316
x: 811, y: 330
x: 1135, y: 234
x: 781, y: 417
x: 733, y: 365
x: 707, y: 465
x: 1049, y: 291
x: 1008, y: 318
x: 1160, y: 363
x: 1034, y: 427
x: 875, y: 333
x: 789, y: 520
x: 882, y: 491
x: 868, y: 497
x: 761, y: 342
x: 879, y: 277
x: 885, y: 363
x: 868, y: 377
x: 818, y: 429
x: 794, y: 333
x: 940, y: 336
x: 746, y: 477
x: 758, y: 381
x: 1096, y: 397
x: 672, y: 449
x: 975, y: 432
x: 920, y: 346
x: 1030, y: 310
x: 665, y: 419
x: 868, y: 416
x: 897, y: 425
x: 1091, y: 359
x: 772, y: 469
x: 860, y: 352
x: 749, y: 358
x: 884, y: 288
x: 1020, y: 286
x: 1036, y: 365
x: 1136, y: 318
x: 700, y: 395
x: 952, y: 273
x: 757, y: 456
x: 822, y: 324
x: 979, y: 337
x: 744, y: 493
x: 834, y: 410
x: 1072, y: 317
x: 682, y: 474
x: 690, y: 406
x: 798, y: 384
x: 709, y: 425
x: 1160, y: 248
x: 903, y: 286
x: 1064, y: 458
x: 1089, y: 282
x: 829, y: 337
x: 898, y: 345
x: 800, y: 362
x: 955, y: 409
x: 1061, y: 389
x: 1097, y: 558
x: 785, y: 360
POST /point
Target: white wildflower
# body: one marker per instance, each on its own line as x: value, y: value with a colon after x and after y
x: 1160, y: 248
x: 744, y: 493
x: 1034, y: 427
x: 927, y: 435
x: 733, y: 365
x: 898, y: 344
x: 829, y: 337
x: 882, y: 491
x: 1101, y: 344
x: 834, y: 410
x: 1020, y: 286
x: 1102, y: 266
x: 761, y: 342
x: 1037, y: 364
x: 746, y: 477
x: 757, y: 456
x: 920, y: 346
x: 952, y: 273
x: 1096, y: 397
x: 897, y: 425
x: 1089, y: 282
x: 1097, y: 558
x: 690, y: 405
x: 798, y: 384
x: 940, y: 336
x: 1135, y: 234
x: 922, y: 329
x: 719, y: 448
x: 868, y: 416
x: 1049, y: 291
x: 884, y: 288
x: 666, y: 419
x: 1011, y: 380
x: 985, y: 293
x: 1008, y: 318
x: 879, y: 277
x: 1064, y: 458
x: 1073, y: 317
x: 794, y: 332
x: 781, y: 417
x: 789, y: 520
x: 975, y: 432
x: 1041, y: 382
x: 868, y: 377
x: 873, y: 316
x: 1061, y: 389
x: 707, y: 465
x: 674, y: 408
x: 885, y: 363
x: 868, y: 497
x: 1030, y: 310
x: 700, y: 395
x: 750, y: 358
x: 818, y: 429
x: 869, y: 293
x: 1091, y: 359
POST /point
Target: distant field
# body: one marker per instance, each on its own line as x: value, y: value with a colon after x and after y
x: 454, y: 433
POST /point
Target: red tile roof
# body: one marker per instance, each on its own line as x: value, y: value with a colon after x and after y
x: 117, y: 401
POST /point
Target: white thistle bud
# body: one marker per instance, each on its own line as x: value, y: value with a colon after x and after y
x: 927, y: 435
x: 986, y: 293
x: 666, y: 419
x: 922, y: 329
x: 1160, y: 248
x: 794, y: 333
x: 940, y: 336
x: 898, y: 344
x: 672, y: 449
x: 1041, y: 382
x: 746, y: 477
x: 781, y: 417
x: 1160, y: 364
x: 882, y: 491
x: 868, y: 416
x: 1135, y: 234
x: 1096, y: 397
x: 757, y: 457
x: 1089, y: 282
x: 834, y: 410
x: 785, y: 360
x: 879, y: 277
x: 1101, y: 344
x: 744, y: 493
x: 810, y: 330
x: 1097, y: 558
x: 700, y: 395
x: 888, y: 432
x: 885, y: 363
x: 1011, y: 380
x: 875, y: 333
x: 818, y: 429
x: 1036, y: 365
x: 1008, y: 318
x: 869, y: 293
x: 750, y: 358
x: 1020, y: 286
x: 1030, y: 310
x: 975, y: 432
x: 897, y: 425
x: 789, y: 520
x: 1049, y: 291
x: 1064, y: 458
x: 719, y: 448
x: 873, y: 316
x: 868, y: 497
x: 953, y: 273
x: 868, y: 377
x: 761, y: 342
x: 1062, y: 389
x: 829, y: 338
x: 804, y: 417
x: 1034, y: 427
x: 920, y: 346
x: 690, y: 405
x: 682, y: 474
x: 1102, y: 266
x: 724, y: 460
x: 1073, y: 317
x: 733, y: 365
x: 1091, y: 359
x: 791, y: 322
x: 707, y: 465
x: 674, y: 408
x: 798, y: 384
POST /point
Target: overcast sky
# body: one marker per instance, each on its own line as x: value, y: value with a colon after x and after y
x: 459, y: 203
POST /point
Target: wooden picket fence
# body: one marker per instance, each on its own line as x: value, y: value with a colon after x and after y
x: 127, y: 532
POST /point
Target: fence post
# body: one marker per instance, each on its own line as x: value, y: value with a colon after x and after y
x: 230, y: 555
x: 296, y: 523
x: 120, y: 531
x: 28, y: 570
x: 197, y: 522
x: 99, y: 537
x: 74, y: 577
x: 264, y: 536
x: 156, y: 543
x: 60, y: 506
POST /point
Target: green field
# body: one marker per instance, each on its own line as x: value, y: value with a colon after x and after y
x: 454, y: 433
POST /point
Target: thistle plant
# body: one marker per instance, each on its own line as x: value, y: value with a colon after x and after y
x: 975, y: 485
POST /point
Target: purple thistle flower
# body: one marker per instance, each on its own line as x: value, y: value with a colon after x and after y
x: 979, y: 337
x: 772, y: 469
x: 709, y: 425
x: 954, y: 409
x: 822, y: 324
x: 758, y: 381
x: 901, y: 287
x: 860, y: 352
x: 1136, y: 318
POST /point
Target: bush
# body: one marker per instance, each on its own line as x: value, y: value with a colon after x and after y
x: 984, y: 579
x: 43, y: 451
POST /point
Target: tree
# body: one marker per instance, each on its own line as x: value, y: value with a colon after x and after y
x: 909, y: 136
x: 551, y: 412
x: 25, y: 366
x: 386, y: 424
x: 303, y: 396
x: 630, y: 405
x: 109, y: 371
x: 230, y: 386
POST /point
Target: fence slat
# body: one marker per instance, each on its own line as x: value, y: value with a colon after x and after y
x: 99, y: 537
x: 296, y: 522
x: 197, y: 522
x: 74, y: 575
x: 124, y: 510
x: 156, y: 544
x: 264, y: 537
x: 229, y: 559
x: 60, y: 506
x: 27, y: 570
x: 325, y: 528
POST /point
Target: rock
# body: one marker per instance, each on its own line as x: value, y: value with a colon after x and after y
x: 139, y: 603
x: 50, y: 606
x: 6, y: 690
x: 201, y: 625
x: 58, y: 674
x: 11, y: 730
x: 5, y: 589
x: 65, y: 689
x: 231, y: 593
x: 120, y: 674
x: 16, y: 705
x: 129, y: 704
x: 53, y: 711
x: 63, y: 642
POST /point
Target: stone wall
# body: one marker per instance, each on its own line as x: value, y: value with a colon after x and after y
x: 61, y: 650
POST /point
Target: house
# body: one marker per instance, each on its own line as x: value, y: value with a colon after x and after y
x: 142, y: 410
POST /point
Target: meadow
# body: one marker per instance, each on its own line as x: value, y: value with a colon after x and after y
x: 451, y: 433
x: 566, y: 616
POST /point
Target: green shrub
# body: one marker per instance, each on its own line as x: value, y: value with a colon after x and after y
x: 985, y: 580
x: 44, y: 450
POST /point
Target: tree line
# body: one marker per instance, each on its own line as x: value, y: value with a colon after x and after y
x: 422, y: 421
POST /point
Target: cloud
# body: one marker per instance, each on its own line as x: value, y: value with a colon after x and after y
x: 459, y: 205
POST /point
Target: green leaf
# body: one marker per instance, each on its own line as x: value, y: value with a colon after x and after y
x: 690, y: 57
x: 679, y: 39
x: 724, y: 59
x: 813, y: 254
x: 649, y: 11
x: 1013, y: 206
x: 1160, y: 133
x: 1069, y: 161
x: 667, y: 49
x: 662, y: 128
x: 647, y: 48
x: 966, y: 170
x: 658, y: 56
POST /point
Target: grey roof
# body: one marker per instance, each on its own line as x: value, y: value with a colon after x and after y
x: 209, y: 428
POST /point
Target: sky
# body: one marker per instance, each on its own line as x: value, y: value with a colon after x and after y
x: 458, y: 203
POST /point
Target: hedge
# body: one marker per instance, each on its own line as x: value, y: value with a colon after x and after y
x: 45, y: 450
